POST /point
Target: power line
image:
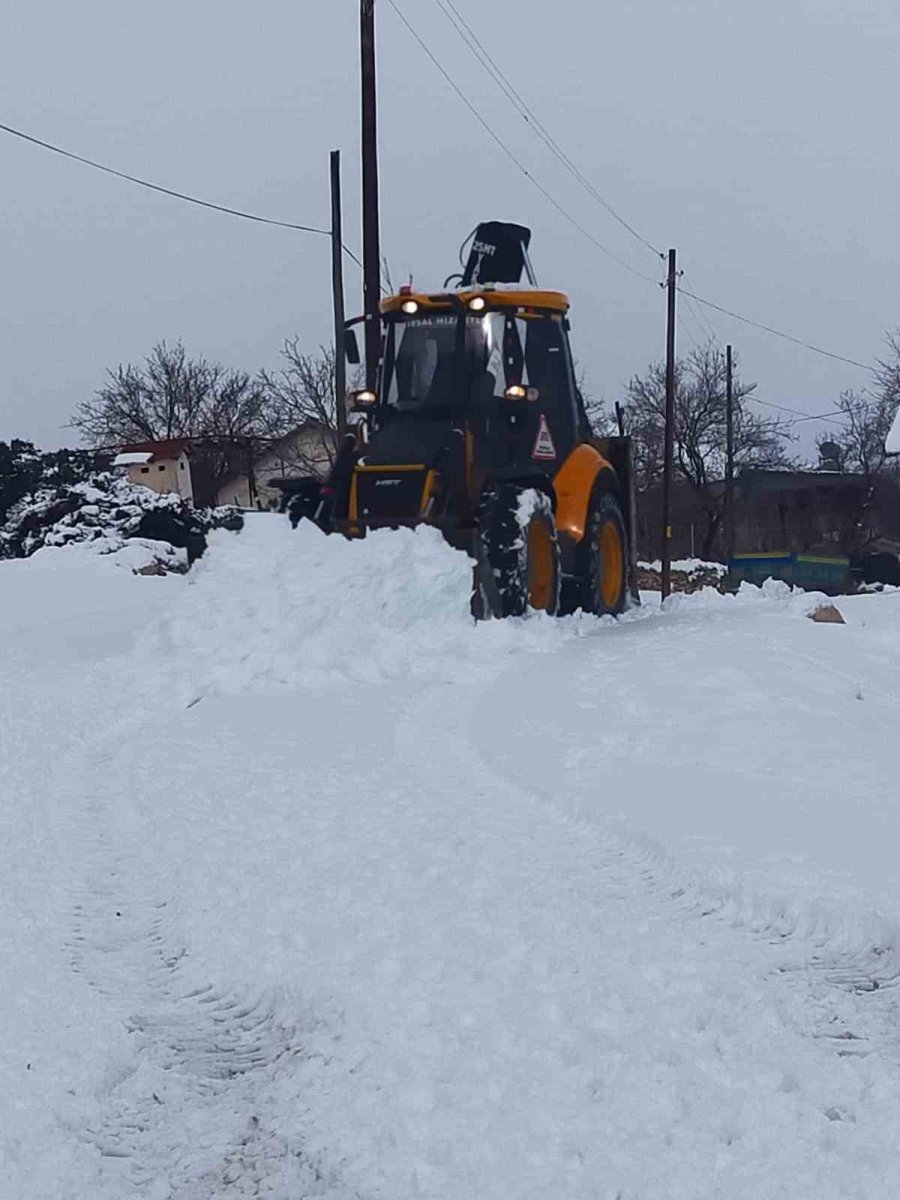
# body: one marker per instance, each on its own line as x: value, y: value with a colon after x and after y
x: 701, y: 316
x: 490, y: 65
x: 788, y: 337
x: 800, y: 416
x: 687, y: 333
x: 156, y: 187
x: 494, y: 71
x: 572, y: 220
x: 255, y: 217
x: 509, y: 154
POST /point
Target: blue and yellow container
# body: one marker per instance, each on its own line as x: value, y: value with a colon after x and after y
x: 812, y: 572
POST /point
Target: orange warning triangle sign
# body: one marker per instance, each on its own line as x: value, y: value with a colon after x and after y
x: 543, y: 443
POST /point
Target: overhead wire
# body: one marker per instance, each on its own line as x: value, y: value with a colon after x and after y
x: 695, y: 304
x: 702, y: 319
x: 687, y: 333
x: 698, y: 324
x: 512, y: 92
x: 788, y: 337
x: 797, y: 413
x: 495, y: 72
x: 156, y: 187
x: 564, y: 212
x: 447, y: 6
x: 465, y: 30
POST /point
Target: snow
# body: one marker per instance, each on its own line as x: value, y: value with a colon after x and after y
x: 132, y: 554
x: 689, y: 565
x: 529, y: 501
x: 132, y: 458
x: 314, y: 887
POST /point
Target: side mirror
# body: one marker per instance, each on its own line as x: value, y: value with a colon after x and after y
x: 351, y: 347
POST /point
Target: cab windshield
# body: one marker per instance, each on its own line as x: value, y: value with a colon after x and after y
x: 429, y: 360
x: 439, y: 361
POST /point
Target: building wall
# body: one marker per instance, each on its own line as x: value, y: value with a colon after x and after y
x: 304, y: 454
x: 170, y: 475
x: 801, y: 512
x: 236, y: 492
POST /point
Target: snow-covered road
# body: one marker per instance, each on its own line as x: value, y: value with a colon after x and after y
x: 313, y: 888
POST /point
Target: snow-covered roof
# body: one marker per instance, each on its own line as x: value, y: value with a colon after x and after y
x: 131, y: 457
x: 167, y: 449
x: 892, y: 442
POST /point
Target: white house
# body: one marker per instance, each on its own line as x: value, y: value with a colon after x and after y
x: 167, y: 466
x: 303, y: 451
x: 163, y: 466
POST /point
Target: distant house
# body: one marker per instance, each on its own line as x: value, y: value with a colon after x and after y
x: 163, y: 466
x: 817, y: 511
x: 306, y: 451
x: 795, y: 511
x: 208, y: 472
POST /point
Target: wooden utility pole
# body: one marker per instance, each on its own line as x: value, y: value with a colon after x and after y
x: 337, y: 288
x: 620, y: 419
x: 371, y: 236
x: 729, y: 454
x: 669, y: 452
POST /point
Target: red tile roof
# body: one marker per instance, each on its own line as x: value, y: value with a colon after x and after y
x: 168, y: 448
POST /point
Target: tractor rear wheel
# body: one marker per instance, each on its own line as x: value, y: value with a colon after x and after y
x: 518, y: 565
x: 604, y: 558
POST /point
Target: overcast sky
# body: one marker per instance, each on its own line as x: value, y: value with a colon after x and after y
x: 759, y: 139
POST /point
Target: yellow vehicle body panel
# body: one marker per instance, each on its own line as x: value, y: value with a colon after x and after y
x: 573, y: 484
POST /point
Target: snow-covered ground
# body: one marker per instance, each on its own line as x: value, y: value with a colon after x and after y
x: 311, y: 887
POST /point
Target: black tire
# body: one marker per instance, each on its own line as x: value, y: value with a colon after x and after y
x: 518, y: 553
x: 604, y: 558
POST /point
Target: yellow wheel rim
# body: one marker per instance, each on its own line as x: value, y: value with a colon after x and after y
x: 541, y: 575
x: 612, y: 559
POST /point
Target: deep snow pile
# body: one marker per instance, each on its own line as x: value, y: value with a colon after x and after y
x: 143, y: 530
x: 287, y: 608
x: 327, y: 891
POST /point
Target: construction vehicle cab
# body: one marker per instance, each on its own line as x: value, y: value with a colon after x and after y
x: 478, y: 428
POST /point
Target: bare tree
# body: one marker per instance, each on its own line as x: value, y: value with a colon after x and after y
x: 858, y: 449
x: 172, y: 396
x: 301, y: 397
x: 887, y: 372
x: 867, y: 419
x: 859, y: 445
x: 700, y: 430
x: 596, y: 409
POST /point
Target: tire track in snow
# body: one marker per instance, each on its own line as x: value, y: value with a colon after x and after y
x: 857, y: 955
x: 185, y: 1116
x: 842, y: 962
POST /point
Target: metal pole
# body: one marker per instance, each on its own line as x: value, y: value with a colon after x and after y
x: 337, y: 287
x: 371, y: 239
x: 729, y: 453
x: 669, y: 453
x: 620, y: 419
